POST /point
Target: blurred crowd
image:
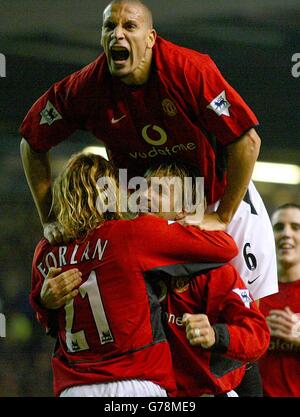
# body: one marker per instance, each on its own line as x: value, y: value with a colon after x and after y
x: 25, y: 351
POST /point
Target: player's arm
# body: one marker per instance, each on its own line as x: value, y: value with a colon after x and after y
x: 38, y: 174
x: 174, y: 244
x: 199, y: 331
x: 242, y: 333
x: 241, y: 158
x: 50, y: 293
x: 244, y: 330
x: 59, y: 288
x: 44, y: 316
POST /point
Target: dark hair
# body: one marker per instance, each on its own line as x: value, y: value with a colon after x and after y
x: 287, y: 206
x: 171, y: 168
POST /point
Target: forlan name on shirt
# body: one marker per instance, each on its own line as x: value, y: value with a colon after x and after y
x: 63, y: 258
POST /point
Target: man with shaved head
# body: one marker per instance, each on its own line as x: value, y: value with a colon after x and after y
x: 128, y: 57
x: 149, y: 100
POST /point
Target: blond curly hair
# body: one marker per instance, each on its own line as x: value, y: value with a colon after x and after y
x: 79, y: 201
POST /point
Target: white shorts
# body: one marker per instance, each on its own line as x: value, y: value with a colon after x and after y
x: 252, y: 231
x: 126, y: 388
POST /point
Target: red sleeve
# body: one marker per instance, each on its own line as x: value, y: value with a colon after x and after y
x: 51, y: 119
x: 64, y: 108
x: 159, y: 244
x: 44, y: 316
x: 221, y: 110
x: 249, y: 335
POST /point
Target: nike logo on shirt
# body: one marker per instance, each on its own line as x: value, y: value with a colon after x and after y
x: 114, y: 121
x: 251, y: 282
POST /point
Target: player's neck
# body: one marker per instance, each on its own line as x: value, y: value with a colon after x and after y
x: 142, y: 73
x: 289, y: 273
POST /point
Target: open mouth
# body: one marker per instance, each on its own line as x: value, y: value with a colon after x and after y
x: 119, y: 54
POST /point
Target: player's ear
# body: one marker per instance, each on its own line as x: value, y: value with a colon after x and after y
x: 151, y: 38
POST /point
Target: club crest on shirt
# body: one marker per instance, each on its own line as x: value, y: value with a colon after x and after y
x: 169, y: 107
x: 180, y: 285
x: 220, y: 105
x: 244, y: 296
x: 49, y: 114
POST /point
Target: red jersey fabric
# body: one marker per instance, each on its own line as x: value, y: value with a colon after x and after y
x: 112, y: 329
x: 186, y: 110
x: 280, y: 366
x: 242, y: 334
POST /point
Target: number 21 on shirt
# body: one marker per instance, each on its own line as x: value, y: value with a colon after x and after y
x: 76, y: 342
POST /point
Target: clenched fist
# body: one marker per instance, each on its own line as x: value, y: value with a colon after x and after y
x: 199, y: 332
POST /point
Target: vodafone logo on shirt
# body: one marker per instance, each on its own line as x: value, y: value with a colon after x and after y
x: 161, y: 140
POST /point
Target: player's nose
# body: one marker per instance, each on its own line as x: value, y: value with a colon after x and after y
x: 118, y: 32
x: 287, y: 230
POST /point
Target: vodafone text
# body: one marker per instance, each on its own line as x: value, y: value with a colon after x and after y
x: 166, y: 151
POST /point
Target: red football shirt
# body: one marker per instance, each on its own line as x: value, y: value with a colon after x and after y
x: 280, y: 366
x: 242, y: 333
x: 186, y: 111
x: 112, y: 329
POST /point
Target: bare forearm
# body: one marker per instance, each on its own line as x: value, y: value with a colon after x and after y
x: 38, y: 175
x: 242, y: 156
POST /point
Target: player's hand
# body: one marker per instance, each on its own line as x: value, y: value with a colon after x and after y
x: 199, y: 332
x: 212, y: 221
x: 59, y: 288
x: 54, y: 233
x: 285, y: 325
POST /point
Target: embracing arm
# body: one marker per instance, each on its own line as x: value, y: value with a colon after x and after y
x: 158, y: 243
x: 53, y: 292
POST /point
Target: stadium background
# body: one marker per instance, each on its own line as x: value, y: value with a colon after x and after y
x: 252, y: 42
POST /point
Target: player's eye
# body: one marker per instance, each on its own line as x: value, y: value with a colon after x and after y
x: 278, y: 227
x: 130, y: 26
x: 109, y: 25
